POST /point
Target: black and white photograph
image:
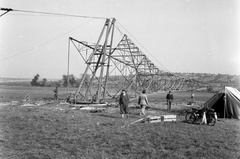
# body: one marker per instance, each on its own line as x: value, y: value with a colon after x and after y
x: 119, y: 79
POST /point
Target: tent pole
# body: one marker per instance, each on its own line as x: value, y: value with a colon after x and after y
x: 224, y: 98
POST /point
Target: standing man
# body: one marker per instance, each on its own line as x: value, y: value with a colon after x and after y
x: 169, y: 98
x: 192, y: 97
x: 143, y: 102
x: 56, y: 93
x: 123, y: 102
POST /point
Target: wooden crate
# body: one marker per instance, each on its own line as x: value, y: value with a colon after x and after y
x: 153, y: 119
x: 168, y: 118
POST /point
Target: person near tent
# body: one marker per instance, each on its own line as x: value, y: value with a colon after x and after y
x: 192, y: 97
x: 202, y: 115
x: 123, y: 102
x: 55, y: 93
x: 143, y: 102
x: 169, y: 98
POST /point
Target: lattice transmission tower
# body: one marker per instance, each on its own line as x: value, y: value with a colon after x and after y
x: 124, y: 66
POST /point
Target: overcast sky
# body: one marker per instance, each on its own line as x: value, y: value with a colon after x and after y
x: 200, y: 36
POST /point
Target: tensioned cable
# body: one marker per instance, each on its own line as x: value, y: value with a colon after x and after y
x: 70, y: 15
x: 149, y: 52
x: 57, y: 14
x: 45, y: 42
x: 34, y: 15
x: 119, y: 29
x: 142, y: 46
x: 153, y: 56
x: 6, y: 10
x: 4, y: 13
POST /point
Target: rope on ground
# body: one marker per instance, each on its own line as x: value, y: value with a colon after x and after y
x: 133, y: 122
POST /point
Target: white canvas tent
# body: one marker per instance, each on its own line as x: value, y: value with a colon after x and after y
x: 226, y: 103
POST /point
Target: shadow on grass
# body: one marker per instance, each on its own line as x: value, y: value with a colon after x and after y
x: 187, y: 122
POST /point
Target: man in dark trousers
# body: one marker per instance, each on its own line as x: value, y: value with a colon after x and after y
x: 123, y: 102
x: 143, y: 102
x: 56, y: 94
x: 169, y: 98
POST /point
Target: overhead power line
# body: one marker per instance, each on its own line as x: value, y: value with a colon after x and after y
x: 49, y: 13
x: 6, y: 10
x: 70, y: 15
x: 149, y: 52
x: 142, y: 46
x: 44, y: 43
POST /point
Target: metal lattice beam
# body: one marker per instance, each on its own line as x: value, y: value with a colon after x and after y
x: 123, y: 66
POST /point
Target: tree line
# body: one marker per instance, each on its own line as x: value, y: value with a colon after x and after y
x: 66, y: 80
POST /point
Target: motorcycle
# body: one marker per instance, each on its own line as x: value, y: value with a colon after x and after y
x: 197, y: 116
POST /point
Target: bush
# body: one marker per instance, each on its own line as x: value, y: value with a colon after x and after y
x: 34, y: 81
x: 210, y: 88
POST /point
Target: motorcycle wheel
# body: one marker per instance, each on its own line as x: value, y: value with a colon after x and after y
x: 211, y: 121
x: 192, y: 118
x: 187, y: 116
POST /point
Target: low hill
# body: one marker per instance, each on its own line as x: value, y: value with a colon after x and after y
x: 210, y: 79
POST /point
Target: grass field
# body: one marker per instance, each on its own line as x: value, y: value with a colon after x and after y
x: 55, y: 130
x: 10, y: 93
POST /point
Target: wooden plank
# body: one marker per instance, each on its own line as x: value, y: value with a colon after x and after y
x: 168, y: 118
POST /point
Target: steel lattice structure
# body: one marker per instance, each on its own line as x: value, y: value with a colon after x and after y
x: 124, y: 66
x: 113, y: 68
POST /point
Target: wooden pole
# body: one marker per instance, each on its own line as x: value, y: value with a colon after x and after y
x: 68, y: 65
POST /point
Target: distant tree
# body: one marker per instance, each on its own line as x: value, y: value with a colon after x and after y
x: 77, y: 82
x: 65, y: 80
x: 58, y: 84
x: 34, y: 81
x: 72, y: 80
x: 44, y: 82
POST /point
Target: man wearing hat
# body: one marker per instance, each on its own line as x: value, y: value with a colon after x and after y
x: 123, y: 102
x: 169, y: 98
